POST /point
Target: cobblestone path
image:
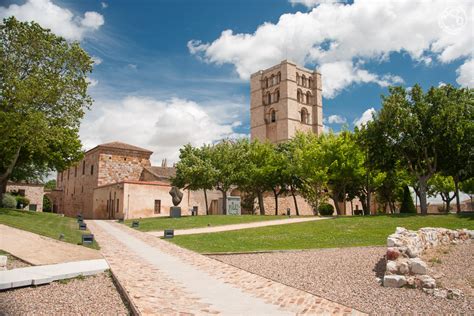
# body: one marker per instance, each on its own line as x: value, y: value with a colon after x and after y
x: 164, y: 279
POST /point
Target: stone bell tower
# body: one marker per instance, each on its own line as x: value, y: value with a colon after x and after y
x: 284, y: 99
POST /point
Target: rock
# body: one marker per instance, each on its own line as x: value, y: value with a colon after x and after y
x: 394, y: 281
x: 453, y: 294
x: 392, y: 267
x: 378, y: 280
x: 440, y: 293
x: 428, y: 291
x: 426, y: 282
x: 393, y: 241
x: 403, y: 268
x: 3, y: 262
x: 400, y: 230
x: 392, y: 253
x: 417, y: 266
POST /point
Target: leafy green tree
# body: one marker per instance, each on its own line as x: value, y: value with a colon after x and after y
x: 455, y: 133
x: 50, y: 185
x: 290, y: 173
x: 467, y: 186
x: 443, y: 186
x: 310, y: 168
x: 345, y: 165
x: 408, y: 125
x: 407, y: 205
x: 194, y: 170
x: 276, y: 177
x: 43, y: 96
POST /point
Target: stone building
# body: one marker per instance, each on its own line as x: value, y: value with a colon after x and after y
x: 116, y: 180
x: 33, y: 192
x: 284, y: 99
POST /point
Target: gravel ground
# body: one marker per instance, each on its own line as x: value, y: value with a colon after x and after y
x: 94, y: 295
x: 14, y: 262
x: 347, y: 276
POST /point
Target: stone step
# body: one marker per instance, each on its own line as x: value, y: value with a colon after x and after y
x: 48, y: 273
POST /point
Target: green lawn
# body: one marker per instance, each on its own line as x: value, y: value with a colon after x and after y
x: 46, y: 224
x: 329, y: 233
x: 162, y: 223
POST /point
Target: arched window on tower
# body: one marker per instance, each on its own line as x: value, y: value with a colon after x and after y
x: 298, y: 80
x: 303, y: 81
x: 299, y: 96
x: 277, y: 95
x: 279, y: 77
x: 272, y: 116
x: 269, y: 98
x: 310, y: 82
x: 308, y: 97
x: 266, y: 82
x: 304, y: 116
x: 272, y: 80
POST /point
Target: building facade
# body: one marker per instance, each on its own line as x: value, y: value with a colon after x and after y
x: 284, y: 99
x: 33, y: 192
x: 116, y: 180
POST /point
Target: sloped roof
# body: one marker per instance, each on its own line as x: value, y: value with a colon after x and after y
x: 120, y: 145
x: 162, y: 172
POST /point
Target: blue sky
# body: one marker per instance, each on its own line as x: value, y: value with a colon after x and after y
x: 167, y: 74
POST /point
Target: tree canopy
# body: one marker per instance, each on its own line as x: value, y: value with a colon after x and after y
x: 43, y: 96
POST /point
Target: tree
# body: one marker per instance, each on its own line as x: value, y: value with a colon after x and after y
x: 455, y: 129
x: 310, y: 168
x: 194, y: 170
x: 50, y: 185
x: 290, y: 173
x: 443, y: 186
x: 345, y: 163
x: 407, y: 205
x: 467, y: 186
x: 408, y: 125
x: 43, y: 96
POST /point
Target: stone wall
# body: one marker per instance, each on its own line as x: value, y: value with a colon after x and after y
x: 34, y: 192
x: 404, y: 265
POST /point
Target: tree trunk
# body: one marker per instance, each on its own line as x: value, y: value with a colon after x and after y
x: 368, y: 202
x: 458, y: 202
x: 6, y: 175
x: 294, y: 200
x: 276, y: 200
x: 422, y: 190
x: 344, y: 201
x: 224, y: 202
x: 207, y: 205
x: 260, y: 203
x: 336, y: 204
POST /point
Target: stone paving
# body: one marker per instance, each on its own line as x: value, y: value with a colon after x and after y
x: 40, y: 250
x: 224, y: 228
x: 162, y: 278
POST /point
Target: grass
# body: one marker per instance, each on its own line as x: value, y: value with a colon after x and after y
x: 162, y: 223
x: 329, y: 233
x: 46, y: 224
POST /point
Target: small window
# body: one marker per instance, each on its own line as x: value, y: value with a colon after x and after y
x: 273, y: 116
x: 277, y: 96
x: 304, y: 116
x: 279, y: 77
x: 84, y: 167
x: 303, y: 81
x: 298, y: 81
x: 117, y: 209
x: 308, y: 97
x: 269, y: 98
x: 266, y: 82
x: 157, y: 206
x: 21, y: 192
x: 92, y: 169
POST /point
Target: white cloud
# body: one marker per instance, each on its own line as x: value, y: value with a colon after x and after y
x: 336, y: 119
x: 61, y: 21
x: 339, y: 38
x: 313, y: 3
x: 97, y: 60
x: 161, y: 126
x: 104, y: 5
x: 92, y: 82
x: 466, y: 74
x: 366, y: 117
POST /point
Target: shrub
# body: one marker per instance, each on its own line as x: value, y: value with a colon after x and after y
x: 407, y: 202
x: 21, y: 200
x: 8, y: 201
x: 326, y: 209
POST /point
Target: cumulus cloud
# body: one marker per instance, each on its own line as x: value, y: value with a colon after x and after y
x: 336, y: 119
x: 466, y: 74
x: 340, y: 38
x: 61, y: 21
x: 161, y: 126
x: 366, y: 117
x: 313, y: 3
x: 97, y: 60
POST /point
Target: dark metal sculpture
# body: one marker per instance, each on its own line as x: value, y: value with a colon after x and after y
x: 176, y: 195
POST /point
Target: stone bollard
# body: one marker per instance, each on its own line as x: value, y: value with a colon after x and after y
x: 3, y: 263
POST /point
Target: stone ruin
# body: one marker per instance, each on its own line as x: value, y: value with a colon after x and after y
x: 404, y: 265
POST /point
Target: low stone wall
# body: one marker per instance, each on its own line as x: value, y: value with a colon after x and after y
x: 404, y: 267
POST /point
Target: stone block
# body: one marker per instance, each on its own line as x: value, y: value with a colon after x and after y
x: 392, y: 253
x: 392, y: 267
x: 404, y: 268
x: 394, y: 281
x: 425, y: 281
x: 417, y: 266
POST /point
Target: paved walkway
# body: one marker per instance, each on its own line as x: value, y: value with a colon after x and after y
x: 162, y: 278
x: 40, y: 250
x: 37, y: 275
x: 223, y: 228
